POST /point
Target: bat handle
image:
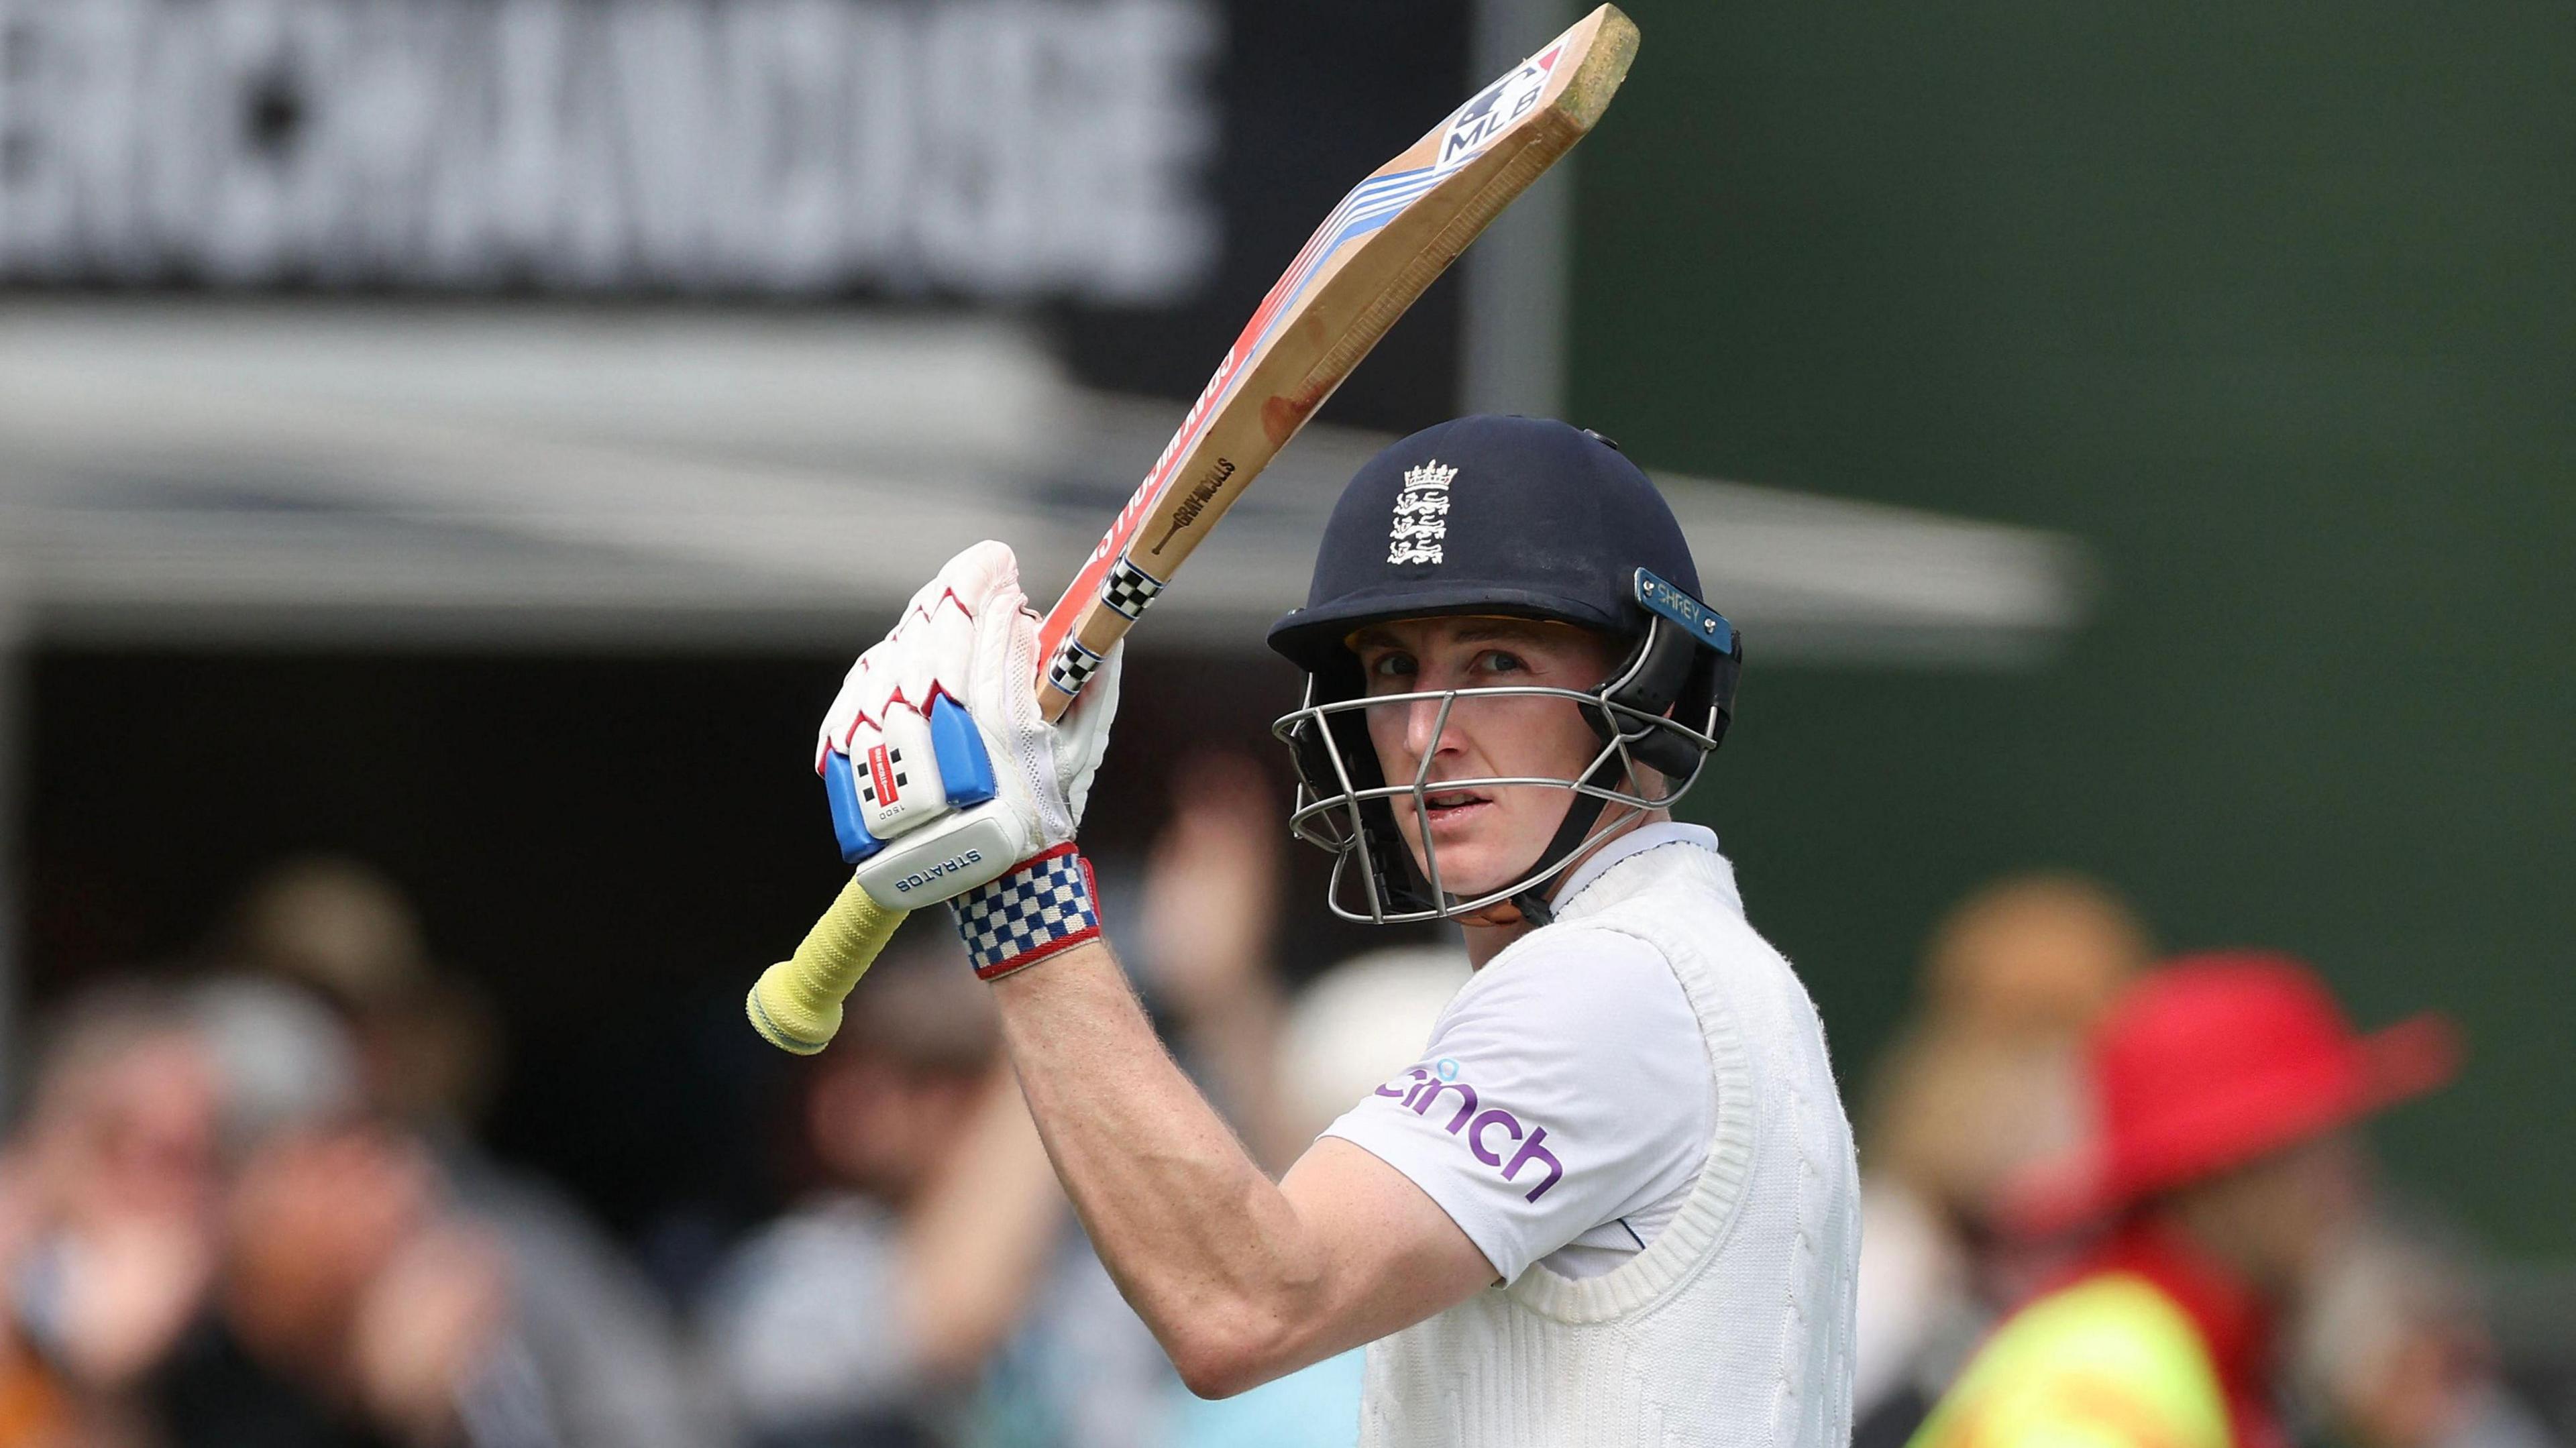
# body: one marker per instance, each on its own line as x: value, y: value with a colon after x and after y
x: 796, y: 1006
x: 1066, y: 665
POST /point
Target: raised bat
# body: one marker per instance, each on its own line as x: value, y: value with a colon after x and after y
x: 1388, y: 239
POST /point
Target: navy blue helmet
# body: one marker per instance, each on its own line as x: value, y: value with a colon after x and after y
x: 1520, y: 517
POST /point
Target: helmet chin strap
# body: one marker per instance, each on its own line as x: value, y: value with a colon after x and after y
x: 1530, y: 906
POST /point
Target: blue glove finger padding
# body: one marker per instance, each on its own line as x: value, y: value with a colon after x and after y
x: 957, y: 750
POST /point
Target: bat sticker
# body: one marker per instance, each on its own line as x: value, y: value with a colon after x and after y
x: 1497, y: 106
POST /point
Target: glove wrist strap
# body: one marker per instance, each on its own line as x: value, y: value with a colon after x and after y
x: 1040, y: 906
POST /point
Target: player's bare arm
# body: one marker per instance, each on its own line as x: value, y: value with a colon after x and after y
x: 1240, y: 1278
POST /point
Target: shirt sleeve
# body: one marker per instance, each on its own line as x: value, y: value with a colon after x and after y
x: 1559, y: 1094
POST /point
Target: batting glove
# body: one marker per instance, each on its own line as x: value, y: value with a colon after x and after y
x: 943, y: 775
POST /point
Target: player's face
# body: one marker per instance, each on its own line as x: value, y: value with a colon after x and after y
x: 1487, y: 836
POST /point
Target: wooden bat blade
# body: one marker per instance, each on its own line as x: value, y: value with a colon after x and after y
x: 1375, y: 253
x: 1387, y: 240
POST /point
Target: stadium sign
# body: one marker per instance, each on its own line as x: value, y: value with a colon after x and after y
x: 1004, y: 149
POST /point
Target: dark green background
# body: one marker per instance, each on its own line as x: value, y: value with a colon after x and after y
x: 2274, y: 307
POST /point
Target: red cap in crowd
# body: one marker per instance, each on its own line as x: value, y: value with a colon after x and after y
x: 2216, y: 1060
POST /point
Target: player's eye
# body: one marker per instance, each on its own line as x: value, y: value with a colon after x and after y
x: 1497, y: 661
x: 1391, y: 665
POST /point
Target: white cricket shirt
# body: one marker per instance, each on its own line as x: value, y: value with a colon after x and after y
x: 1556, y: 1100
x: 1562, y: 1108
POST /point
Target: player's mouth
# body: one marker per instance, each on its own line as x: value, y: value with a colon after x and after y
x: 1455, y: 806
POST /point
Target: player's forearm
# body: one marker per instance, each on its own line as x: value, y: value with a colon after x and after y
x: 1204, y: 1245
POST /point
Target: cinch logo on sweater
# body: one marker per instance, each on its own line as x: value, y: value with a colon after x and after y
x: 1488, y: 1133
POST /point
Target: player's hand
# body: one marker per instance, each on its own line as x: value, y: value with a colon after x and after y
x: 935, y: 748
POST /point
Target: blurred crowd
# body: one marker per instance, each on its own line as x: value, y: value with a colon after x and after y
x: 2065, y: 1110
x: 243, y: 1203
x: 240, y: 1205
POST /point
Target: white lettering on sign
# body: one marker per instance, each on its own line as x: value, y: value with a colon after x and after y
x: 1000, y: 148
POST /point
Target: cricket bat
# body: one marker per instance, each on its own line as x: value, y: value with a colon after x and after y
x: 1374, y: 254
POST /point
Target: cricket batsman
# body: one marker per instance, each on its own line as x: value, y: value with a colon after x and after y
x: 1614, y: 1201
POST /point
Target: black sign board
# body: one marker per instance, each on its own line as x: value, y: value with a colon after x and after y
x: 1135, y: 170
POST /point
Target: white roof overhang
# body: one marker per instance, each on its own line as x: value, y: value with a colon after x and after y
x: 343, y: 473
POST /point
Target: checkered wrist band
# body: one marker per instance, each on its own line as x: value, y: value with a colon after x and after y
x: 1042, y: 906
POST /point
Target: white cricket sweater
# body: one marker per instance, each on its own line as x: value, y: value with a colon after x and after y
x: 1734, y: 1325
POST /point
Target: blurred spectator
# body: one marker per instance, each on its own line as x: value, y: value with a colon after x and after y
x: 1358, y: 1025
x: 1348, y: 1032
x: 284, y: 1057
x: 108, y: 1189
x: 1209, y: 919
x: 867, y: 1315
x: 2223, y: 1088
x: 425, y: 1038
x: 361, y: 1299
x: 425, y: 1054
x: 1984, y: 1081
x: 2393, y: 1350
x: 349, y: 1275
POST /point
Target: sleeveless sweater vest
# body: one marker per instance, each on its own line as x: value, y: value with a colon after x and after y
x: 1734, y: 1326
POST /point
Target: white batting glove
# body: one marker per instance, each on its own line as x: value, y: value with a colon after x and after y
x: 943, y: 774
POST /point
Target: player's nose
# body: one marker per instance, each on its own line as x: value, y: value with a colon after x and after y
x: 1430, y: 725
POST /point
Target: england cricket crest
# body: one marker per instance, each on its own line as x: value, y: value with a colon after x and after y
x: 1421, y: 518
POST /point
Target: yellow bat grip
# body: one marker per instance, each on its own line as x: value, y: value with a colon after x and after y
x: 797, y: 1004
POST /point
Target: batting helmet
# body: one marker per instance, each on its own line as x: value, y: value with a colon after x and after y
x: 1519, y: 517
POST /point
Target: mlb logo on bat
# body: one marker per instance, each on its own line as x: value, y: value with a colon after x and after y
x: 1497, y: 106
x: 1421, y: 515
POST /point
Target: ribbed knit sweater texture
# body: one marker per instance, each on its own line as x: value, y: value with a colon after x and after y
x: 1734, y: 1326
